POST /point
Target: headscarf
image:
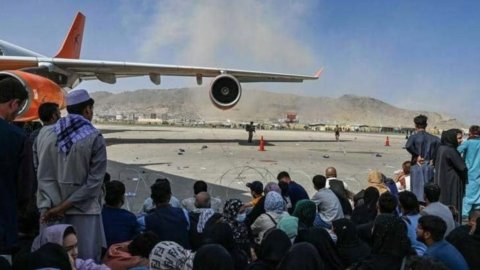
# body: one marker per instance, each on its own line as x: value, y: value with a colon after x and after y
x: 367, y: 211
x: 346, y: 232
x: 170, y: 255
x: 370, y: 197
x: 274, y: 247
x: 302, y: 256
x: 305, y: 210
x: 289, y: 225
x: 212, y: 257
x: 375, y: 179
x: 350, y: 248
x: 231, y: 209
x: 53, y: 234
x: 390, y: 237
x: 274, y: 203
x: 449, y: 137
x: 272, y: 186
x: 222, y: 234
x: 205, y: 215
x: 50, y: 255
x: 323, y: 242
x: 230, y: 212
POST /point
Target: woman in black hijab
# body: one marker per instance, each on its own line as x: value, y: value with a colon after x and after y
x: 272, y: 249
x: 323, y: 242
x: 222, y: 234
x: 390, y: 244
x: 212, y: 257
x: 302, y: 256
x: 450, y: 169
x: 350, y: 248
x: 367, y: 211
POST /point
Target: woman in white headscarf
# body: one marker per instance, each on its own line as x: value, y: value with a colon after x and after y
x: 274, y: 211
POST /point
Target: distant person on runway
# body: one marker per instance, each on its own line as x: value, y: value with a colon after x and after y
x: 337, y: 133
x: 250, y: 129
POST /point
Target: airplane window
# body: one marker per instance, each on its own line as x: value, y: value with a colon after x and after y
x: 1, y: 52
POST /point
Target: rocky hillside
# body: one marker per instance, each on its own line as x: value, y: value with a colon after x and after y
x: 263, y: 106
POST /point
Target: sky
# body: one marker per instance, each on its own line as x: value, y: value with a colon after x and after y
x: 421, y: 55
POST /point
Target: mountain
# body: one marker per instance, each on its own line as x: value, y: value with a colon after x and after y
x: 263, y: 106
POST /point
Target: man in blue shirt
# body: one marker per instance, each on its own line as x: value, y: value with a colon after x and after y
x: 295, y: 191
x: 119, y: 224
x: 470, y: 149
x: 169, y: 223
x: 430, y: 230
x: 410, y: 214
x: 16, y: 167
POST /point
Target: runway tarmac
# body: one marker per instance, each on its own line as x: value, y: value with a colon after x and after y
x: 222, y: 157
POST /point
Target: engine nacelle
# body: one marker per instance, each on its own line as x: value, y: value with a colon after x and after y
x: 225, y: 91
x: 40, y: 90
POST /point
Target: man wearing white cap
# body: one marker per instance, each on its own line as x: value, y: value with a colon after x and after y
x: 71, y: 161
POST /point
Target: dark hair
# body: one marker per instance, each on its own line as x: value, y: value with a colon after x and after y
x: 474, y: 129
x: 106, y: 178
x: 434, y: 225
x: 143, y: 244
x: 407, y: 165
x: 432, y: 192
x: 69, y: 230
x: 199, y: 186
x: 115, y: 190
x: 161, y: 191
x: 78, y: 108
x: 47, y: 110
x: 408, y: 201
x: 387, y: 203
x: 282, y: 175
x: 319, y: 181
x: 420, y: 121
x: 284, y: 188
x: 11, y: 89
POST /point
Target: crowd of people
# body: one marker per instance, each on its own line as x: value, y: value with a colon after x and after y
x: 59, y: 208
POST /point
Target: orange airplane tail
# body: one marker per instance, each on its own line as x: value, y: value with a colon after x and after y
x: 73, y: 41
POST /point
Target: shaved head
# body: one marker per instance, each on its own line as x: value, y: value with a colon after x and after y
x: 331, y: 172
x: 202, y: 200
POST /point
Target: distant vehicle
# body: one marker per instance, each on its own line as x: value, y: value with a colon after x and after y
x: 48, y: 79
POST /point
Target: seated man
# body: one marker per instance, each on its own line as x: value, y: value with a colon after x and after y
x: 201, y: 186
x: 199, y: 218
x: 149, y: 206
x: 430, y: 230
x: 169, y: 223
x: 434, y: 207
x: 119, y: 224
x: 328, y: 205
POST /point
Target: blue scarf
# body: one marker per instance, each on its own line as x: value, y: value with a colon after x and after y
x: 71, y: 129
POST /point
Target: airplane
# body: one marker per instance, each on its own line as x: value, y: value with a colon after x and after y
x: 48, y: 79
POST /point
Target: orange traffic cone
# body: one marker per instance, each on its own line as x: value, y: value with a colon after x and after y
x: 387, y: 142
x: 262, y: 144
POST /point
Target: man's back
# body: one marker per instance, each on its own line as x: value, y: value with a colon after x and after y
x: 60, y: 175
x: 448, y: 254
x: 329, y: 207
x: 440, y: 210
x: 422, y: 144
x: 170, y: 224
x: 296, y: 193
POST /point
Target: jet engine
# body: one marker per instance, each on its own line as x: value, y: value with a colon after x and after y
x: 225, y: 91
x: 40, y: 90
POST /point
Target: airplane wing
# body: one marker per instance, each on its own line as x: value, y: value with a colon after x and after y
x: 108, y: 71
